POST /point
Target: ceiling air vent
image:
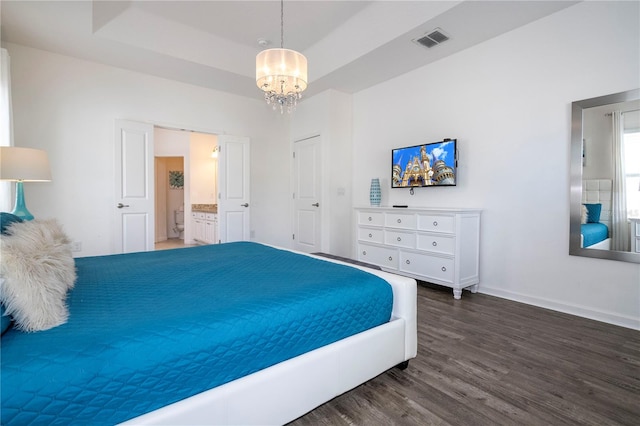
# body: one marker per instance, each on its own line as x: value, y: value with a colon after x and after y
x: 431, y: 39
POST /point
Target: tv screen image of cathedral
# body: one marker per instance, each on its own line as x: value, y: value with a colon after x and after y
x: 432, y: 164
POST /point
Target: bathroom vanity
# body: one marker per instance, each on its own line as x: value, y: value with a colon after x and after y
x: 205, y: 223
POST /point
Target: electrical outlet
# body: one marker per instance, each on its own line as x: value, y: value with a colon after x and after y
x: 76, y: 246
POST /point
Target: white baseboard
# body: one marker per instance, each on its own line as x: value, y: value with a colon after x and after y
x: 581, y: 311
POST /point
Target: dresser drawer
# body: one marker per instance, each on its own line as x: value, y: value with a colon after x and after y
x: 382, y: 256
x: 198, y: 215
x: 434, y: 267
x: 436, y: 223
x: 435, y: 243
x: 400, y: 220
x: 371, y: 218
x: 400, y: 239
x: 373, y: 235
x: 210, y: 216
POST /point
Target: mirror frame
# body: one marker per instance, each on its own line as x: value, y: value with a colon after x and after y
x: 576, y: 177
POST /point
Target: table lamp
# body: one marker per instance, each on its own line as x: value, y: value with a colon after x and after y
x: 23, y: 165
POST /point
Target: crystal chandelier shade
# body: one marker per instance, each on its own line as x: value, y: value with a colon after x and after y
x: 281, y: 74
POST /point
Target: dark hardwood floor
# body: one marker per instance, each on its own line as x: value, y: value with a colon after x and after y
x: 483, y: 360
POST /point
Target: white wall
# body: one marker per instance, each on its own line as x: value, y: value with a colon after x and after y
x: 598, y: 144
x: 68, y: 106
x: 270, y: 189
x: 508, y: 102
x: 203, y: 167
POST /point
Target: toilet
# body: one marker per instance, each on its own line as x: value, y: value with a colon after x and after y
x: 178, y: 219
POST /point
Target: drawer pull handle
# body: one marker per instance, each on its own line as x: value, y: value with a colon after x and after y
x: 434, y: 244
x: 370, y: 219
x: 435, y: 223
x: 399, y: 220
x: 370, y: 235
x: 399, y: 239
x: 364, y: 252
x: 390, y: 258
x: 444, y: 269
x: 408, y: 262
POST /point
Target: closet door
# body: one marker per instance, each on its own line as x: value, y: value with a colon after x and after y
x: 307, y: 166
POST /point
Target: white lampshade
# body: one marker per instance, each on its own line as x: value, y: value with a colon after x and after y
x: 24, y: 164
x: 282, y: 71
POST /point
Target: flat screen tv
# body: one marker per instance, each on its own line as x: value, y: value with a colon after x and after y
x: 426, y: 165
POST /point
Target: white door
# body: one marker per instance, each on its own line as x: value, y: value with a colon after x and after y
x: 307, y: 187
x: 234, y: 210
x: 134, y: 187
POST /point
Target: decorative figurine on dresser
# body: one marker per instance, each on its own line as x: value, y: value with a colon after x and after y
x: 440, y: 246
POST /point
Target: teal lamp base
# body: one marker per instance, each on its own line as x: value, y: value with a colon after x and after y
x: 20, y: 209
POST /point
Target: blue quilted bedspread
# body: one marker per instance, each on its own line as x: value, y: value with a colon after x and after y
x: 148, y: 329
x: 593, y: 233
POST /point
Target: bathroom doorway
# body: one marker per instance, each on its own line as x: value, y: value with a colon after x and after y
x: 185, y: 175
x: 169, y: 200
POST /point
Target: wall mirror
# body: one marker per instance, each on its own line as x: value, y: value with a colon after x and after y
x: 605, y: 177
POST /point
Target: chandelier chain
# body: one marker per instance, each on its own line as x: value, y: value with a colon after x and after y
x: 281, y: 24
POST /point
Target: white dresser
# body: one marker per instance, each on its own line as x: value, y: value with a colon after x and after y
x: 440, y: 246
x: 635, y: 234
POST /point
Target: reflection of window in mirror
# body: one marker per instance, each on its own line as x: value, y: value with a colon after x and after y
x: 632, y: 171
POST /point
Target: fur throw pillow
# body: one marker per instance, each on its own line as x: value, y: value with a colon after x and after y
x: 37, y: 270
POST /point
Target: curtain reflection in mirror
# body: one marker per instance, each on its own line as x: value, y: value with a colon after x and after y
x: 632, y: 165
x: 620, y: 228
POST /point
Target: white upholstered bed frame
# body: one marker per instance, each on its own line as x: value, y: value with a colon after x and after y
x: 290, y: 389
x: 599, y: 191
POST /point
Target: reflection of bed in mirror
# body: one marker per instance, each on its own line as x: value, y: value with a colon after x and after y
x: 595, y: 232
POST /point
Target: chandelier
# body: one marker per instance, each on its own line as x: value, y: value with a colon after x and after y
x: 281, y: 73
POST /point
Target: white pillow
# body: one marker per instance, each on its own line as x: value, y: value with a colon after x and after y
x: 38, y: 270
x: 584, y: 215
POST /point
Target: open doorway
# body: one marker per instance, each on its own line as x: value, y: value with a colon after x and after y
x: 169, y: 202
x: 185, y: 176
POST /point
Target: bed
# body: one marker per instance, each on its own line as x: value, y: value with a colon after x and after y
x: 238, y: 333
x: 595, y: 227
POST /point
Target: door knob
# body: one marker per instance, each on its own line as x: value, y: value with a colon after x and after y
x: 120, y: 205
x: 245, y: 205
x: 316, y: 204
